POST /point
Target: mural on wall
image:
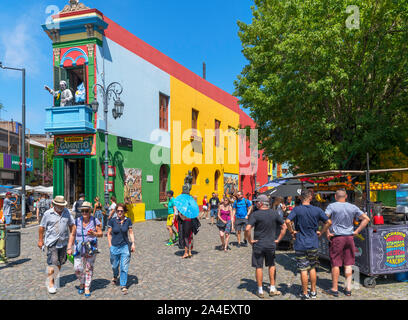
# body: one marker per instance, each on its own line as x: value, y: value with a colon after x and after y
x: 231, y: 183
x: 133, y: 185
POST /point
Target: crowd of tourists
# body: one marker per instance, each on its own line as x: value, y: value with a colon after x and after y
x: 75, y: 236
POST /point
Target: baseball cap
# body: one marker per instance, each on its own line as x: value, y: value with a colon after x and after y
x: 261, y: 198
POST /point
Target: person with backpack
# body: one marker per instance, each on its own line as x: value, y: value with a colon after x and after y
x: 242, y: 208
x: 43, y: 205
x: 77, y: 205
x: 84, y: 235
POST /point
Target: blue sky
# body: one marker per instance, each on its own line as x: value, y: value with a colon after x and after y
x: 189, y: 32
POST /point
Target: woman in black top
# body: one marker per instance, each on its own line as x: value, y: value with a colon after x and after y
x: 119, y: 232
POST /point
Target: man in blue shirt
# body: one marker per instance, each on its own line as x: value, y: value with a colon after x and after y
x: 242, y: 208
x: 306, y: 219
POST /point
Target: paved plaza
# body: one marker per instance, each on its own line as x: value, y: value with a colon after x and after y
x: 157, y: 272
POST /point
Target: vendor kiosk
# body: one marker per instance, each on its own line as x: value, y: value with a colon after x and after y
x: 380, y: 249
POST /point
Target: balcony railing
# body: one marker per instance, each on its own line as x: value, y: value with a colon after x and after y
x: 71, y: 119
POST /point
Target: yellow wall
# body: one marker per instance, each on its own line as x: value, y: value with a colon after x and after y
x: 183, y: 99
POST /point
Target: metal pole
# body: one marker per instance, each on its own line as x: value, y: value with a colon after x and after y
x: 105, y: 110
x: 368, y: 200
x: 23, y: 157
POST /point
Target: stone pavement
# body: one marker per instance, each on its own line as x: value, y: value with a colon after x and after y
x: 157, y: 272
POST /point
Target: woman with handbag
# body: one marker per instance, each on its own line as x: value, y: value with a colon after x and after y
x: 224, y: 223
x: 119, y: 232
x: 84, y: 234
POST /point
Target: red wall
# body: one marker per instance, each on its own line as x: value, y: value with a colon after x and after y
x: 248, y: 184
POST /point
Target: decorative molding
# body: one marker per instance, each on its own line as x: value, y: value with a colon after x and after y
x: 66, y: 56
x: 73, y: 6
x: 90, y: 30
x: 57, y: 54
x: 55, y: 35
x: 90, y: 49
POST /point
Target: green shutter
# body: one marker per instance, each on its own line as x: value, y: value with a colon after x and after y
x: 90, y: 179
x: 58, y: 177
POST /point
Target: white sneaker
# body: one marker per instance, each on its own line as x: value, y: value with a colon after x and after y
x: 52, y: 290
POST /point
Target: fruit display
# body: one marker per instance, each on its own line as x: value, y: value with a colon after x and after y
x: 374, y: 186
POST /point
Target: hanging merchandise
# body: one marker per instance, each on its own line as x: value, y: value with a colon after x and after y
x: 320, y: 181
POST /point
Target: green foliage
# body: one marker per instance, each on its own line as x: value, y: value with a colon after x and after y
x: 324, y: 95
x: 50, y: 156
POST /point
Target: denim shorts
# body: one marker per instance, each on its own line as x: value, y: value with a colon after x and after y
x: 214, y: 212
x: 7, y: 219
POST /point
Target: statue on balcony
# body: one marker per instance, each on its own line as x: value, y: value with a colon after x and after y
x: 63, y: 97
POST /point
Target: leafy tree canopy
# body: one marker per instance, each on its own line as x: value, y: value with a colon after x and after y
x: 324, y: 94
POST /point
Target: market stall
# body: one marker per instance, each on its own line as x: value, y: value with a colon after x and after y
x: 381, y: 248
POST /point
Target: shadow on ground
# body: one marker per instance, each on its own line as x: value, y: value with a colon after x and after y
x: 14, y: 263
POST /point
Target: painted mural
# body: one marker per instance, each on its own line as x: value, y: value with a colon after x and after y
x: 231, y: 183
x: 133, y: 185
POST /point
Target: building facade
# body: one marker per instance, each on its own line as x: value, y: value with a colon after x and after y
x: 173, y: 122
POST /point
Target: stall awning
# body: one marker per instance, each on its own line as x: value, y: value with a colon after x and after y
x: 344, y: 173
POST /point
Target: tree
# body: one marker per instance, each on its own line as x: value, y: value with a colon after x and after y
x: 324, y: 94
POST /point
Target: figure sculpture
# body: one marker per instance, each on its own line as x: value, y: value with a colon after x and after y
x: 63, y: 97
x: 188, y: 182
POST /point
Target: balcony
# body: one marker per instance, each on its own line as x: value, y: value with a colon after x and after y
x: 67, y: 120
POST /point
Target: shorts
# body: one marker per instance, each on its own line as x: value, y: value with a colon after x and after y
x: 342, y: 251
x: 307, y: 260
x: 56, y: 256
x: 205, y: 208
x: 260, y: 254
x: 240, y: 224
x: 214, y: 212
x: 227, y: 228
x: 7, y: 219
x: 170, y: 218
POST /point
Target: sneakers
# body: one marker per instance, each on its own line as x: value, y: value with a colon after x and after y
x: 260, y: 295
x: 274, y: 293
x: 52, y: 290
x: 303, y: 296
x: 170, y: 243
x: 313, y: 295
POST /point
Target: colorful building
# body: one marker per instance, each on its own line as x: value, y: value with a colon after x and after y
x: 165, y: 131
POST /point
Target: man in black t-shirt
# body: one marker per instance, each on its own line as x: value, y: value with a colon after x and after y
x: 266, y: 222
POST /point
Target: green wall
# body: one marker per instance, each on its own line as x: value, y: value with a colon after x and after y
x: 122, y: 158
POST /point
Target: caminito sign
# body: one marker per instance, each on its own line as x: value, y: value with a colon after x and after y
x: 74, y: 145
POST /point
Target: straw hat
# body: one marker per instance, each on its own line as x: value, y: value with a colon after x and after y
x: 86, y: 205
x: 59, y: 201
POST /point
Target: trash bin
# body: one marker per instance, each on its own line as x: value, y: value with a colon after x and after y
x: 13, y: 241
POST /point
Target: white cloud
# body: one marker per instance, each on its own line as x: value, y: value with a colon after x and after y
x: 19, y: 45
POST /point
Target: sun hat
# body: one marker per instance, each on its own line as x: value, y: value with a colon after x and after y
x: 59, y: 201
x: 85, y: 205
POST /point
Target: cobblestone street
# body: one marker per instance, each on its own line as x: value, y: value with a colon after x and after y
x: 157, y: 272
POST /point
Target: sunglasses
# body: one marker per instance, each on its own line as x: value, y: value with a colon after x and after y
x: 120, y: 211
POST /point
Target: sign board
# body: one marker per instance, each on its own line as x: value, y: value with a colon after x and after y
x: 125, y: 142
x: 76, y: 145
x: 149, y: 178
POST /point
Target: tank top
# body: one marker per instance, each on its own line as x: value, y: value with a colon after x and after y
x: 225, y: 214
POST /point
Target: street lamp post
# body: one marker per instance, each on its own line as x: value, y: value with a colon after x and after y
x: 23, y: 160
x: 113, y: 91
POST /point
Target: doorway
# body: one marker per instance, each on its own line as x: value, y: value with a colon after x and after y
x: 74, y: 178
